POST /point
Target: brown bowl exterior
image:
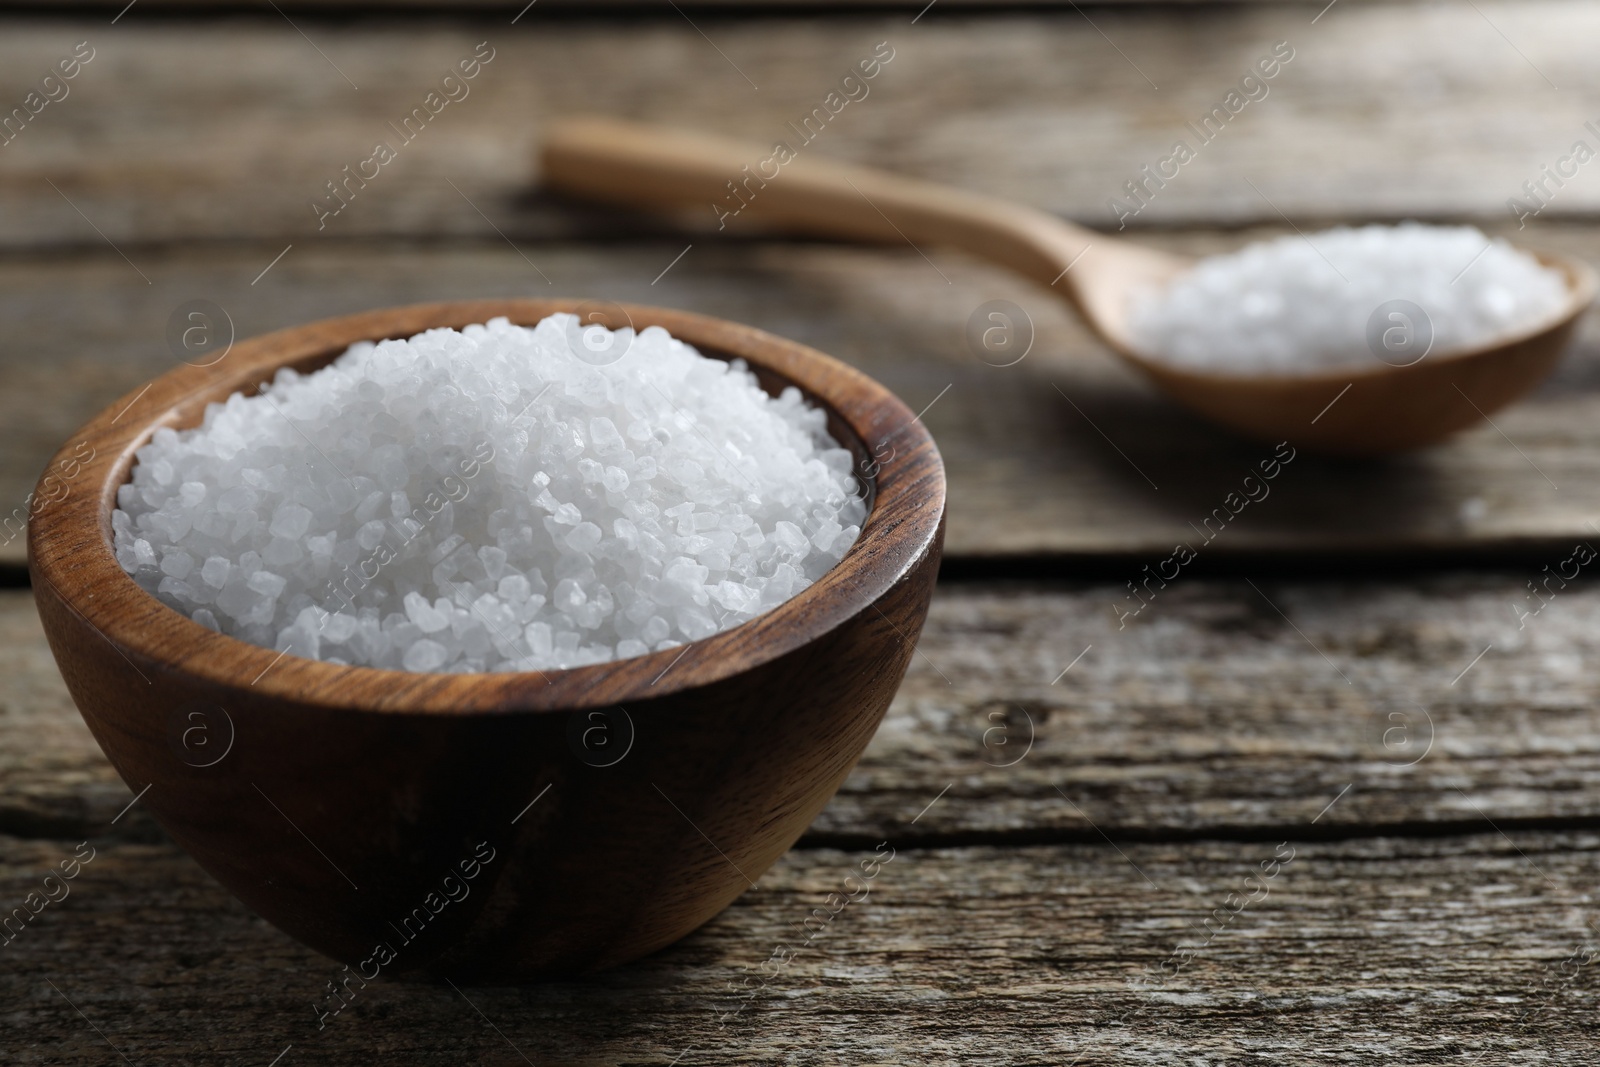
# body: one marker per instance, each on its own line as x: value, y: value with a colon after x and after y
x: 452, y: 823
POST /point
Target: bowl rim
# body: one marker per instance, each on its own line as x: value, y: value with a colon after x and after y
x: 70, y: 547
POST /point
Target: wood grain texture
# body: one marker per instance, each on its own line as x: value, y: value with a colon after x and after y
x: 230, y: 129
x: 1208, y: 716
x: 1353, y: 954
x: 1047, y: 457
x: 1231, y: 710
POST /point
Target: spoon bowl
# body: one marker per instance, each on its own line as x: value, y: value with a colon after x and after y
x: 516, y: 825
x: 1362, y: 411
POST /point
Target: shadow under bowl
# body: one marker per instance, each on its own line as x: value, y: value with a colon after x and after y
x: 509, y: 825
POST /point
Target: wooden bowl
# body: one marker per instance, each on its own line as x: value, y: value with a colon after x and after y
x: 504, y: 825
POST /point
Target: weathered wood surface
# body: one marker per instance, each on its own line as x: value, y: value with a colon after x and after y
x: 1214, y: 714
x: 229, y: 129
x: 1030, y: 472
x: 1208, y: 715
x: 1475, y: 949
x: 1008, y: 929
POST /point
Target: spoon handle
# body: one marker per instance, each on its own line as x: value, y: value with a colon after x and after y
x: 733, y: 181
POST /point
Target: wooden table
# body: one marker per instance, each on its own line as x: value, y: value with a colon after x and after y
x: 1341, y: 698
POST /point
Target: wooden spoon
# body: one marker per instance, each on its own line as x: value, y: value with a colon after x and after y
x: 1363, y: 410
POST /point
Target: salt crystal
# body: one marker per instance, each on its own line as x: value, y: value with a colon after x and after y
x: 427, y: 619
x: 290, y: 522
x: 340, y: 628
x: 370, y: 534
x: 483, y: 500
x: 540, y: 640
x: 266, y: 583
x: 424, y: 655
x: 1305, y: 304
x: 583, y: 537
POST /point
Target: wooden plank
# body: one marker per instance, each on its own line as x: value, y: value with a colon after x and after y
x: 230, y: 129
x: 1237, y: 708
x: 1063, y: 455
x: 57, y: 782
x: 1354, y: 954
x: 1032, y: 716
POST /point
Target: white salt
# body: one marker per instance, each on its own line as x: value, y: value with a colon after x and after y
x: 1304, y: 304
x: 482, y: 500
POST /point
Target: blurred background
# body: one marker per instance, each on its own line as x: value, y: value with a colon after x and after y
x: 185, y: 160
